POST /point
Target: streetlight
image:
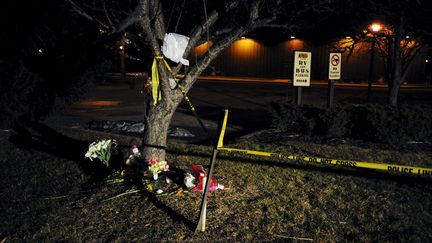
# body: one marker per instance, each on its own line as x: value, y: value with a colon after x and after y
x: 375, y: 28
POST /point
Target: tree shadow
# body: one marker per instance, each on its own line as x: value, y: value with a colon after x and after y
x: 174, y: 215
x: 40, y: 137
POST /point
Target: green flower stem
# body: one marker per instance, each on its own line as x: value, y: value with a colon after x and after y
x: 131, y: 191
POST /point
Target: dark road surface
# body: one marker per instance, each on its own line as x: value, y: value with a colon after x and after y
x: 247, y: 102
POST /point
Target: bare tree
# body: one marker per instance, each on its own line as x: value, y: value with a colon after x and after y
x: 221, y: 21
x: 404, y: 28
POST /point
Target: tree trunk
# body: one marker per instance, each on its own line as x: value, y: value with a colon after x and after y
x: 393, y: 92
x: 397, y: 75
x: 159, y: 117
x: 156, y: 130
x: 371, y: 71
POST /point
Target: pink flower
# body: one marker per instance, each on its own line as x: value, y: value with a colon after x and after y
x: 152, y: 161
x: 134, y: 149
x: 166, y: 167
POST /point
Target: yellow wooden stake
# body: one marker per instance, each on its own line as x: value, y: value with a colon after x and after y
x: 219, y: 141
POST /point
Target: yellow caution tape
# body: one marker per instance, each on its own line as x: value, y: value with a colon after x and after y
x: 155, y: 73
x: 346, y: 163
x: 324, y: 161
x: 156, y: 93
x: 186, y: 98
x: 223, y: 128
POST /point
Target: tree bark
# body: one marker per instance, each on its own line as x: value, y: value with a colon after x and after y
x: 156, y: 130
x: 394, y: 92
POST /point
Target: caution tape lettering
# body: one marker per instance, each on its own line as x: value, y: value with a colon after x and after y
x: 337, y: 162
x: 346, y: 163
x: 326, y: 161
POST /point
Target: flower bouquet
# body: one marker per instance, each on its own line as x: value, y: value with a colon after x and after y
x: 159, y: 179
x: 156, y: 167
x: 101, y: 150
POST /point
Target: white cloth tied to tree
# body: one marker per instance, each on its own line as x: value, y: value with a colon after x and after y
x: 174, y: 46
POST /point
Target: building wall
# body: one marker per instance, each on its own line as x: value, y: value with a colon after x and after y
x: 253, y: 58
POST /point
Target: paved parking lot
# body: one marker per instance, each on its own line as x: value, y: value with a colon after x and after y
x: 247, y: 102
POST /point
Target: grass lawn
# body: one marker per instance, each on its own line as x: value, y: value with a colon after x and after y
x: 49, y: 194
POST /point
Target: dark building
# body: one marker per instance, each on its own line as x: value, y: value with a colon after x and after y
x: 253, y: 58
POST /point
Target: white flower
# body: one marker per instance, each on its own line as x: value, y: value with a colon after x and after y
x: 104, y: 144
x: 98, y: 146
x: 100, y: 150
x: 89, y: 155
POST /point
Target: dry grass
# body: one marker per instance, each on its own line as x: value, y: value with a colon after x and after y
x: 50, y: 198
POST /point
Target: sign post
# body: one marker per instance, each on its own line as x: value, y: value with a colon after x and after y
x: 302, y: 68
x: 334, y: 74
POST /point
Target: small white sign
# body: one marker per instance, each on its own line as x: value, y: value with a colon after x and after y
x: 302, y: 64
x: 335, y: 66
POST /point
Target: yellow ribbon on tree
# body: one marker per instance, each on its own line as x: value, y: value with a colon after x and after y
x: 156, y: 93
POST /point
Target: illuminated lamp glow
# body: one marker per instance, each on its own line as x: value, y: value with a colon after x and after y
x: 244, y: 47
x: 294, y: 44
x: 203, y: 48
x: 375, y: 27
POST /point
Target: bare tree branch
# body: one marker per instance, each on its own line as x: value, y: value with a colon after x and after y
x: 156, y: 15
x: 132, y: 19
x: 146, y: 27
x: 84, y: 14
x: 196, y: 36
x: 408, y: 60
x: 106, y: 13
x: 108, y: 23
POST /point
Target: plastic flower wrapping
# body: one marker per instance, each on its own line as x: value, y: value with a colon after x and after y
x: 200, y: 176
x: 101, y: 150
